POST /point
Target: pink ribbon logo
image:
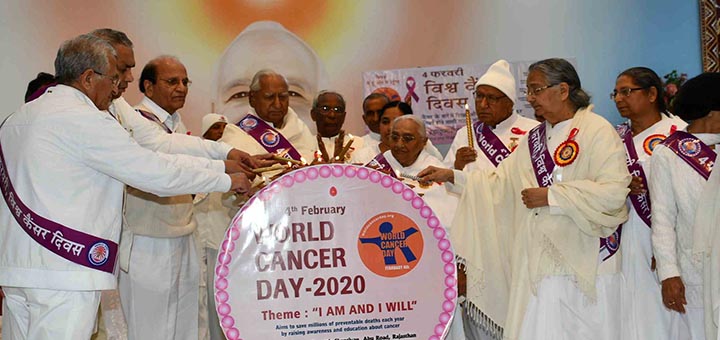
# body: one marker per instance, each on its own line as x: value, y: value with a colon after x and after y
x: 410, y: 84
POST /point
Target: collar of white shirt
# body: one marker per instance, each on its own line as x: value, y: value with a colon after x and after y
x: 169, y: 119
x: 508, y: 123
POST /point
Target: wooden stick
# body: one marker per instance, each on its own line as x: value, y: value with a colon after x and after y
x: 283, y: 159
x: 341, y: 155
x: 268, y: 168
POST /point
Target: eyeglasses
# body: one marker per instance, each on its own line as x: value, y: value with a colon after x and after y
x: 405, y: 138
x: 625, y: 92
x: 324, y: 109
x: 536, y: 91
x: 491, y: 100
x: 281, y: 95
x: 115, y: 80
x: 176, y: 81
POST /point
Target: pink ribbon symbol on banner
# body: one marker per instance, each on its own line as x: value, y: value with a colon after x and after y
x: 410, y: 84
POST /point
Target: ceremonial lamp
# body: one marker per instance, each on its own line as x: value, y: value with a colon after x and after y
x: 468, y: 123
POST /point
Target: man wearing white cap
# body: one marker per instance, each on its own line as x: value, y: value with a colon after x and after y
x: 213, y: 126
x: 498, y: 128
x: 496, y: 134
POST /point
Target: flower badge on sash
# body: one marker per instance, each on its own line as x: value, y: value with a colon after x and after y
x: 270, y: 139
x: 568, y: 150
x: 248, y: 123
x: 514, y: 140
x: 99, y: 253
x: 689, y: 146
x: 652, y: 141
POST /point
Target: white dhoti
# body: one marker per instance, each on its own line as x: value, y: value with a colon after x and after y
x: 560, y: 311
x: 30, y: 313
x: 159, y: 293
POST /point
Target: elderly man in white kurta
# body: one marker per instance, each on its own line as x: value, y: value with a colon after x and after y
x: 328, y: 113
x: 495, y: 135
x: 273, y: 120
x: 272, y: 117
x: 544, y: 209
x: 406, y: 158
x: 638, y: 96
x: 498, y: 127
x: 159, y: 286
x: 680, y: 167
x: 53, y: 290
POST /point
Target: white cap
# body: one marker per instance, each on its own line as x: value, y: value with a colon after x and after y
x: 500, y: 77
x: 209, y: 120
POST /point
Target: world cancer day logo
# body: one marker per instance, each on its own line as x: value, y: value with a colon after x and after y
x: 390, y: 244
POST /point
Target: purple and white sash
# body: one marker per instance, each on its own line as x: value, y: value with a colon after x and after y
x: 542, y: 162
x: 380, y: 163
x: 693, y: 151
x: 75, y: 246
x: 641, y: 202
x: 270, y: 139
x: 153, y: 118
x: 543, y: 166
x: 493, y: 148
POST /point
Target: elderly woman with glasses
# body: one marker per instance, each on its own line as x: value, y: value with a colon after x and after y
x: 638, y: 96
x: 547, y: 208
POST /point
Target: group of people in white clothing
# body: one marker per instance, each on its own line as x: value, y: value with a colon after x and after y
x: 564, y: 228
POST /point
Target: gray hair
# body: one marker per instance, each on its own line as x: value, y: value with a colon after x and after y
x: 255, y: 83
x: 414, y: 118
x: 79, y: 54
x: 558, y: 71
x: 376, y: 95
x: 112, y: 36
x: 324, y: 92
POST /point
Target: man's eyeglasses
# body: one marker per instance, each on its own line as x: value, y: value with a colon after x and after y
x: 270, y: 96
x: 625, y: 92
x: 536, y: 91
x: 491, y: 100
x: 405, y: 138
x: 324, y: 109
x: 115, y: 80
x: 176, y: 81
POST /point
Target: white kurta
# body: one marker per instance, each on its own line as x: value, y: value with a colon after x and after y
x: 160, y: 283
x: 644, y: 315
x: 556, y: 242
x: 147, y: 134
x: 706, y: 243
x: 68, y: 161
x: 509, y: 131
x: 672, y: 233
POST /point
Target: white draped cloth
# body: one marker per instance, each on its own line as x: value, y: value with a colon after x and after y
x: 512, y: 249
x: 509, y: 132
x: 644, y: 315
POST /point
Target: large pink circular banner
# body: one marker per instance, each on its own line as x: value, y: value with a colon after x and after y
x: 335, y: 252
